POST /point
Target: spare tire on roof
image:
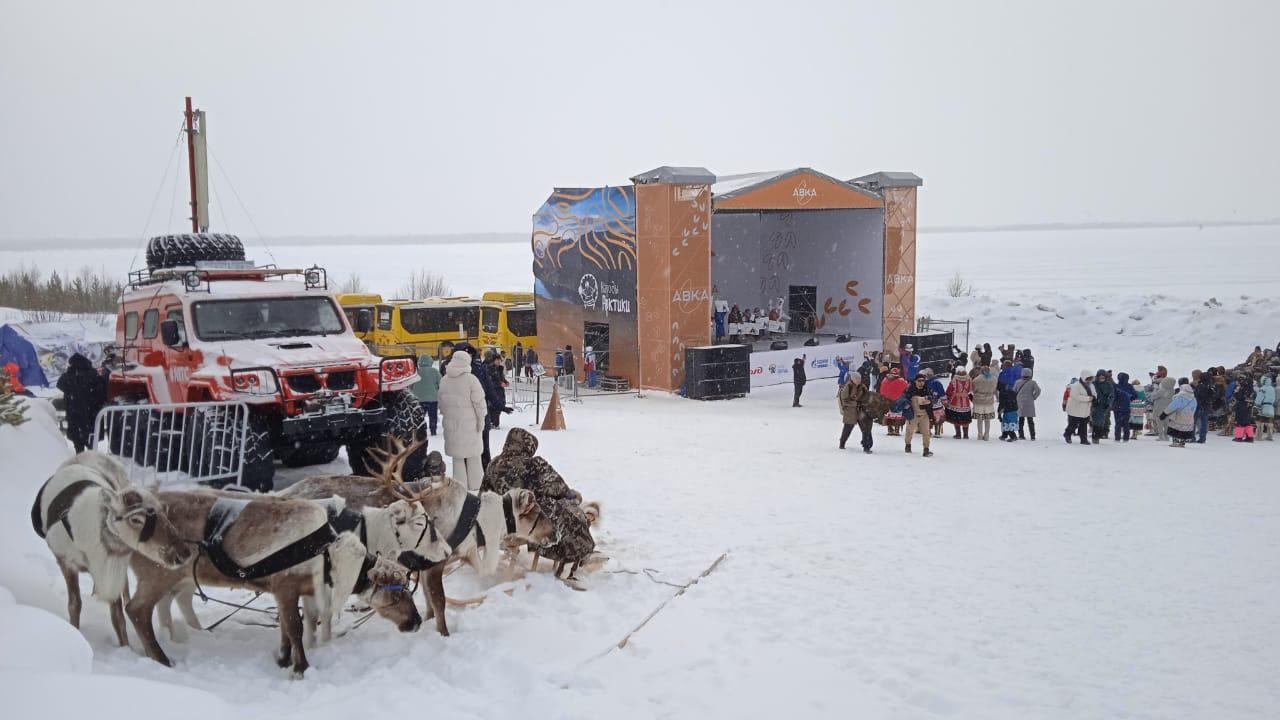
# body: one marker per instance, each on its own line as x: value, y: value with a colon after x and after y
x: 166, y: 251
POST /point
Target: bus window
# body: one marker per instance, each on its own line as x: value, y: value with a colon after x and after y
x: 489, y: 319
x: 440, y: 320
x: 522, y: 323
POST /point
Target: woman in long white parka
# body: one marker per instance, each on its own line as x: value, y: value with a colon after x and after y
x: 462, y: 404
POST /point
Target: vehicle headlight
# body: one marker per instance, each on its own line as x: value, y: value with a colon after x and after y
x: 398, y: 369
x: 254, y: 382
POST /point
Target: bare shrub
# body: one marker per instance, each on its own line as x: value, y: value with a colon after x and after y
x: 957, y: 286
x: 353, y: 284
x: 424, y: 284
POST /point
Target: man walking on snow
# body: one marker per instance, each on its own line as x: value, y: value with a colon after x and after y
x: 921, y: 400
x: 1078, y: 406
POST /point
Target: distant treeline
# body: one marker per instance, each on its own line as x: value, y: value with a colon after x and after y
x: 26, y: 288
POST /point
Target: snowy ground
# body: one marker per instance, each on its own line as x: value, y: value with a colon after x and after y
x: 991, y: 581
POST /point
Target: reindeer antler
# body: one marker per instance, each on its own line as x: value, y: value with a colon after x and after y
x: 390, y: 462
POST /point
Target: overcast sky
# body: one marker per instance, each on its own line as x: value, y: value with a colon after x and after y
x: 361, y: 118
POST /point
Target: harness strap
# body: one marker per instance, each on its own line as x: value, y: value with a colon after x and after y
x: 362, y: 581
x: 220, y: 518
x: 59, y: 507
x: 509, y: 513
x: 466, y: 520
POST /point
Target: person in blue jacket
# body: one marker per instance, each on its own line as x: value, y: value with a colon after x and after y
x: 842, y: 366
x: 1181, y: 415
x: 910, y: 362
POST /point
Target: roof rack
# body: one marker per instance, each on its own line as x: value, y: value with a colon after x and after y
x: 198, y: 277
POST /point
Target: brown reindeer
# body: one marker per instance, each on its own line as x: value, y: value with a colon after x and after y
x: 93, y: 521
x: 489, y: 516
x: 279, y: 546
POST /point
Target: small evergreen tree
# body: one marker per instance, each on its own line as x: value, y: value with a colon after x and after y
x: 12, y: 410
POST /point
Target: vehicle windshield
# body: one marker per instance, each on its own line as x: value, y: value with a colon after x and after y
x: 253, y: 318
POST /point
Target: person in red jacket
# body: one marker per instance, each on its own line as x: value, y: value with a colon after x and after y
x: 892, y: 388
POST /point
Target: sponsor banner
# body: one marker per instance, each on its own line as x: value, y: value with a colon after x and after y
x: 773, y: 367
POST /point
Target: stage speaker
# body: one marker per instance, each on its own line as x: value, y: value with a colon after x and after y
x: 718, y: 372
x: 778, y: 345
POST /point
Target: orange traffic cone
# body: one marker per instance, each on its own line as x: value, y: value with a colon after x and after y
x: 554, y: 419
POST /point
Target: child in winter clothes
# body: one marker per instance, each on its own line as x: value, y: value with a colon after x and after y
x: 1242, y: 401
x: 1008, y: 413
x: 1137, y: 409
x: 1264, y: 406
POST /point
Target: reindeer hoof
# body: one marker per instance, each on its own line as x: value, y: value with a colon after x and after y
x: 283, y: 658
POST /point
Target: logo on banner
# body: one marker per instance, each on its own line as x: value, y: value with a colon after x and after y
x: 688, y: 296
x: 802, y: 193
x: 589, y: 291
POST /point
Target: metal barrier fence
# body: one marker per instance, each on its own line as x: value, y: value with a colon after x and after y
x: 176, y: 443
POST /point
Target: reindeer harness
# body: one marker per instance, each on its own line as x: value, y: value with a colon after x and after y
x: 60, y: 508
x: 469, y: 519
x: 223, y: 513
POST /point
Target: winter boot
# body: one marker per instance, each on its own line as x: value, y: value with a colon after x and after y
x: 927, y: 453
x: 866, y: 450
x: 908, y: 447
x: 957, y: 432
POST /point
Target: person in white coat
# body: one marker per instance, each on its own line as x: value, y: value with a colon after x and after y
x: 1080, y: 397
x: 462, y: 404
x: 1160, y: 397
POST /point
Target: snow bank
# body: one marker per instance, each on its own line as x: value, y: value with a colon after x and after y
x: 1034, y: 580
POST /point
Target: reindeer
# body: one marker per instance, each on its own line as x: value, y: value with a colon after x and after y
x: 270, y: 544
x: 93, y: 521
x: 473, y: 526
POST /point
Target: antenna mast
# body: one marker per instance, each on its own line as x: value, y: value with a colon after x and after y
x: 198, y: 168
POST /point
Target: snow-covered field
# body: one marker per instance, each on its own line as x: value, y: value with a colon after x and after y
x: 1037, y: 580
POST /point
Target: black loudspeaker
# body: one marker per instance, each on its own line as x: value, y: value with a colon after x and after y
x: 717, y: 373
x: 778, y: 345
x: 933, y: 348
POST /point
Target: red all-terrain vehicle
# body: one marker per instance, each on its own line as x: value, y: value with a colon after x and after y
x: 203, y: 324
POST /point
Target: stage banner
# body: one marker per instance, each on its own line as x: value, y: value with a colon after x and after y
x: 773, y: 367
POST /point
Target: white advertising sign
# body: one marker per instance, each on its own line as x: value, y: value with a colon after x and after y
x: 773, y: 367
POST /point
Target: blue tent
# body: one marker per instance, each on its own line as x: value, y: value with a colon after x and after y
x: 14, y: 348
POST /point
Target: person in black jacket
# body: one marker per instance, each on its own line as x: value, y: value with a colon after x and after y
x: 84, y: 393
x: 491, y: 399
x: 798, y: 378
x: 1204, y: 399
x: 530, y: 359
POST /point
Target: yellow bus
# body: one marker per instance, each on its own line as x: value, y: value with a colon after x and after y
x: 415, y: 326
x: 503, y: 324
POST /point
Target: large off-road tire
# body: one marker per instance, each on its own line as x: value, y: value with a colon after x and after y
x: 166, y: 251
x: 309, y: 455
x: 405, y: 421
x: 218, y: 446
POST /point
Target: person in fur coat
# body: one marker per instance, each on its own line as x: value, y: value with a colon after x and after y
x: 960, y: 403
x: 859, y: 406
x: 462, y: 402
x: 984, y: 401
